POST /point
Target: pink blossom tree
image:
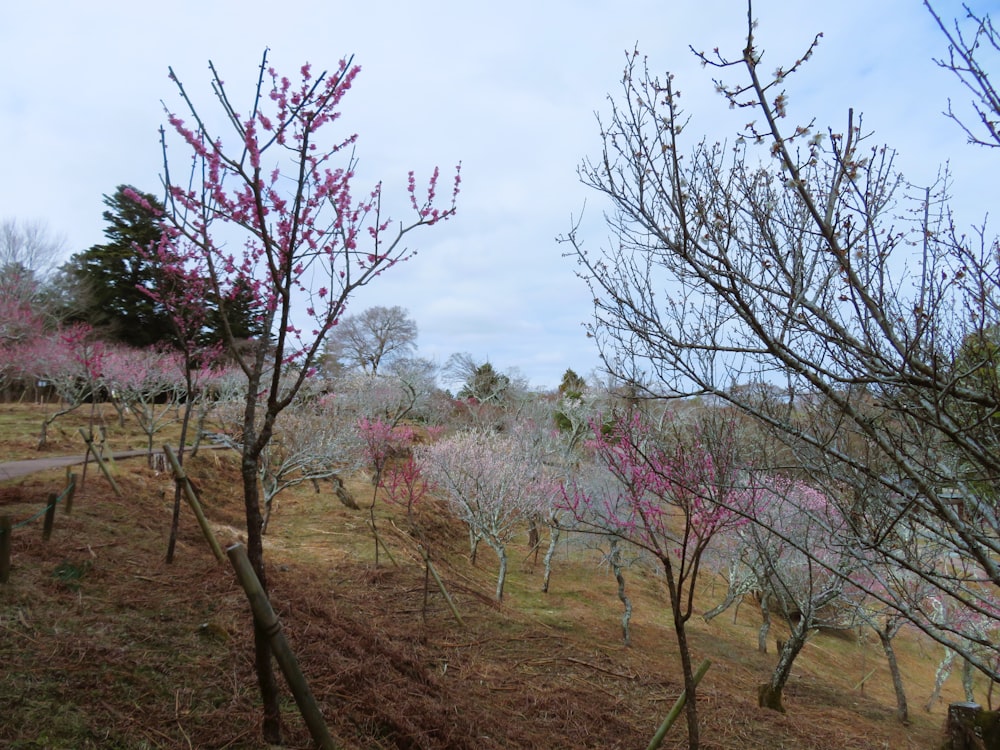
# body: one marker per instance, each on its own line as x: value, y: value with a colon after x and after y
x: 382, y: 441
x: 279, y: 184
x: 147, y: 383
x: 21, y: 322
x: 404, y: 484
x: 670, y: 496
x: 69, y: 360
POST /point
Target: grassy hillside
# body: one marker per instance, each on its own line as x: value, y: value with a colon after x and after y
x: 103, y: 645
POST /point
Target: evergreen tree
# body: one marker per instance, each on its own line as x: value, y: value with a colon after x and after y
x: 572, y: 385
x: 485, y: 384
x: 103, y: 284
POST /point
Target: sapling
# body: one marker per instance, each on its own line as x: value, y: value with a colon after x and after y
x: 270, y: 210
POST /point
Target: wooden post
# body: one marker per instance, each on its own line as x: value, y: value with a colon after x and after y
x: 100, y: 462
x: 69, y: 491
x: 266, y: 620
x: 192, y: 499
x: 50, y: 516
x: 5, y: 546
x: 676, y: 710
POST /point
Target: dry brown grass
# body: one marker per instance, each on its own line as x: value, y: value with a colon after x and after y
x: 104, y: 645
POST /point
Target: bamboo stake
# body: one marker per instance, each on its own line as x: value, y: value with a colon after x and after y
x: 5, y: 545
x: 100, y: 462
x: 379, y: 541
x: 269, y: 623
x: 440, y: 583
x: 192, y: 499
x: 676, y: 710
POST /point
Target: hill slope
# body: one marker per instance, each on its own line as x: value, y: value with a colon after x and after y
x: 104, y: 645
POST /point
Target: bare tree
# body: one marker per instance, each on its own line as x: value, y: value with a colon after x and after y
x: 796, y: 276
x: 315, y: 440
x: 377, y: 336
x: 28, y: 253
x: 31, y: 246
x: 965, y: 59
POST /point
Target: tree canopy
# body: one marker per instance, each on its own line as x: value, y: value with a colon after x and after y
x: 376, y: 337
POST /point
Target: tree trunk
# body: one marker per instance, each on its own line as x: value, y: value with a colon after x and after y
x: 942, y: 673
x: 271, y: 727
x: 549, y: 554
x: 502, y: 573
x: 680, y: 631
x: 474, y: 537
x: 721, y: 607
x: 534, y: 540
x: 902, y: 712
x: 765, y: 623
x: 690, y: 686
x: 175, y: 520
x: 616, y: 566
x: 769, y: 694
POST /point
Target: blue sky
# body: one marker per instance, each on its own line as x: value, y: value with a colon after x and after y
x: 509, y: 89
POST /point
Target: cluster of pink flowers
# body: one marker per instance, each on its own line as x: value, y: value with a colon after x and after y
x: 661, y: 486
x: 292, y: 235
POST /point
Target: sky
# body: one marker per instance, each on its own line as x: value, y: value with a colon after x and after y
x: 508, y: 89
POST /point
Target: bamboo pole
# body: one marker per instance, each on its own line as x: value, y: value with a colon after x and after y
x: 6, y: 527
x: 100, y: 462
x: 379, y: 541
x: 676, y: 710
x: 440, y: 583
x: 269, y: 623
x: 192, y: 499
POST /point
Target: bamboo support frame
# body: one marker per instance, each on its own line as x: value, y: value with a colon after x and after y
x: 269, y: 623
x: 676, y: 710
x: 192, y: 499
x: 100, y: 461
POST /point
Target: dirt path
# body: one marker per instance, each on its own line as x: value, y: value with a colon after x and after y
x: 18, y: 469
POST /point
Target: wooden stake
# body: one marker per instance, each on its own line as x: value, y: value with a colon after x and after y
x: 5, y: 545
x: 266, y: 620
x: 69, y: 491
x: 50, y: 516
x: 192, y: 499
x: 100, y: 462
x: 440, y: 583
